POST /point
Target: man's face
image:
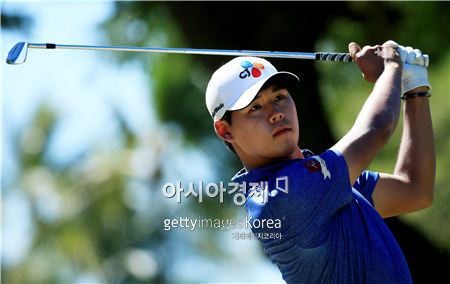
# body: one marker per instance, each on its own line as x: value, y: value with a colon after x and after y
x: 267, y: 128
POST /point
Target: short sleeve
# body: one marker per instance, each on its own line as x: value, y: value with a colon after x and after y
x: 365, y: 184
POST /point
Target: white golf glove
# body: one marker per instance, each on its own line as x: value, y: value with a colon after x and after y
x: 410, y: 55
x: 414, y: 76
x: 414, y: 68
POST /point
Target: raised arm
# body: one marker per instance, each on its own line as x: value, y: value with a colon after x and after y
x: 379, y: 116
x: 411, y: 186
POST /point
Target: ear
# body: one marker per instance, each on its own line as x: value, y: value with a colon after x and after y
x: 222, y: 129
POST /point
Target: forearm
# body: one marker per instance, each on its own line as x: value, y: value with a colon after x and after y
x: 417, y: 161
x: 380, y: 112
x: 374, y: 124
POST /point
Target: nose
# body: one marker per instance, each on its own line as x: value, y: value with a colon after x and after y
x: 276, y: 116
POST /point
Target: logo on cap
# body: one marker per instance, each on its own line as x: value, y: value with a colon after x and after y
x: 251, y: 69
x: 217, y: 108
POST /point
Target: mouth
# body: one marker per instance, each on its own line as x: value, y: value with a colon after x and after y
x: 281, y: 131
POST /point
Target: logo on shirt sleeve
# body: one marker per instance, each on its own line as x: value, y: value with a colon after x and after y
x: 317, y: 164
x: 312, y: 166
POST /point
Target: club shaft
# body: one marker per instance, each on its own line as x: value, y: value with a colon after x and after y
x: 272, y: 54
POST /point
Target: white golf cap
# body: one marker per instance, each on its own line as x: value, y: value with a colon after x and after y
x: 234, y: 85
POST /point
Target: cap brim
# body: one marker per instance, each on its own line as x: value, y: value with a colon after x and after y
x: 282, y: 79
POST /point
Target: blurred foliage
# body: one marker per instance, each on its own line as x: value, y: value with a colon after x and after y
x: 100, y: 220
x: 86, y: 221
x: 408, y: 23
x: 176, y: 77
x: 16, y: 22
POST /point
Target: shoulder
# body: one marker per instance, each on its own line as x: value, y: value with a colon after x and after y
x: 326, y: 165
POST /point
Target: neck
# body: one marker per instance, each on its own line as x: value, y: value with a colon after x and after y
x: 251, y: 163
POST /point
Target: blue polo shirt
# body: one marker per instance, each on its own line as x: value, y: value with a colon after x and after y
x: 330, y: 231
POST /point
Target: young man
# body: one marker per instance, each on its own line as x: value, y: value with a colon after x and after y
x: 331, y: 231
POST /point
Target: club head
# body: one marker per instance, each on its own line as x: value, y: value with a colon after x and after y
x: 17, y: 54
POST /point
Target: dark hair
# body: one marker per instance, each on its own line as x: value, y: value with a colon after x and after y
x: 227, y: 118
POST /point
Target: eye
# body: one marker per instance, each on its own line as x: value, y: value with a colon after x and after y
x: 280, y: 97
x: 255, y: 108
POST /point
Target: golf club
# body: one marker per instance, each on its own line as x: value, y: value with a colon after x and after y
x: 18, y: 54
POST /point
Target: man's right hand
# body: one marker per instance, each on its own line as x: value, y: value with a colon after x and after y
x: 372, y: 60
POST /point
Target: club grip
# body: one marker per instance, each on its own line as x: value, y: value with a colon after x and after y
x: 333, y: 56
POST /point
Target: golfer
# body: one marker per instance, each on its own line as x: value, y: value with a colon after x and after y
x: 332, y: 212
